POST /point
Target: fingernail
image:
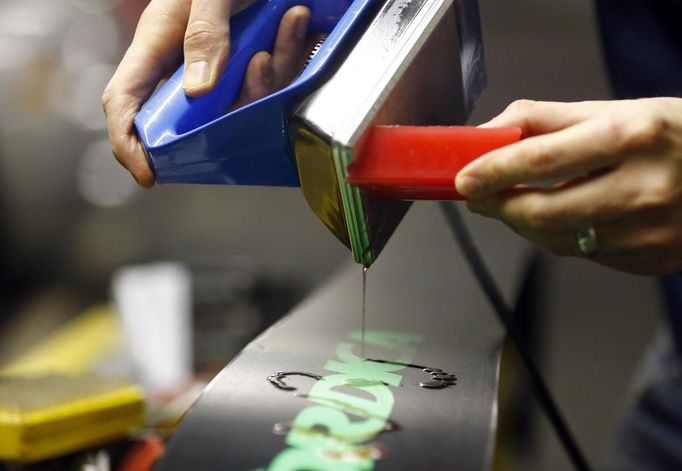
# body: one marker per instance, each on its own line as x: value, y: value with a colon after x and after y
x: 197, y: 75
x: 468, y: 186
x: 302, y: 27
x: 267, y: 72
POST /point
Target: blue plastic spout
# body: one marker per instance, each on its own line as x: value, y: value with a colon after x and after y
x: 195, y: 140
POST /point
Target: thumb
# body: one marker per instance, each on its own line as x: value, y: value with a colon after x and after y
x: 207, y: 44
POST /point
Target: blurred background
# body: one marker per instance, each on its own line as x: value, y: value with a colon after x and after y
x: 76, y: 234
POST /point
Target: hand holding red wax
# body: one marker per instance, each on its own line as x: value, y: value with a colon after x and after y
x: 619, y: 164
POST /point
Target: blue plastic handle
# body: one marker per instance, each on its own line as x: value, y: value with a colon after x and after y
x: 196, y: 140
x: 252, y: 30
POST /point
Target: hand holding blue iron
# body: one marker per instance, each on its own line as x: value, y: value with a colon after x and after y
x: 202, y: 28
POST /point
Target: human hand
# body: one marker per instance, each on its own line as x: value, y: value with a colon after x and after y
x: 202, y: 27
x: 619, y: 165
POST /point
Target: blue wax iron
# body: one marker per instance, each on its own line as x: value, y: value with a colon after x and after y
x: 196, y: 140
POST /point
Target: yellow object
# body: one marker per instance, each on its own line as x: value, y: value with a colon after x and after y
x: 51, y: 401
x: 73, y: 349
x: 49, y: 416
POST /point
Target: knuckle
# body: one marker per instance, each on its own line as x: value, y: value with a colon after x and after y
x: 107, y: 96
x: 118, y: 151
x: 648, y: 132
x: 615, y: 128
x: 664, y: 191
x: 542, y: 158
x: 202, y: 35
x: 522, y: 106
x: 538, y: 217
x: 638, y: 132
x: 105, y: 99
x: 658, y: 191
x: 493, y: 170
x: 631, y: 194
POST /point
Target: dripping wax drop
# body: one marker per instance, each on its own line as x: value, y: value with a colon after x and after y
x: 364, y: 308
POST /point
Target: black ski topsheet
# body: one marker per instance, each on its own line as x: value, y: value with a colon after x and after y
x: 301, y: 396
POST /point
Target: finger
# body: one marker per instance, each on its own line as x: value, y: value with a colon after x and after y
x: 553, y: 210
x: 614, y: 134
x: 650, y: 261
x: 152, y: 53
x: 654, y: 261
x: 591, y: 145
x: 290, y: 51
x: 154, y: 50
x: 259, y: 80
x: 127, y: 149
x: 651, y: 232
x: 614, y: 239
x: 266, y: 73
x: 638, y: 187
x: 542, y: 117
x: 207, y: 44
x: 564, y: 244
x: 647, y: 244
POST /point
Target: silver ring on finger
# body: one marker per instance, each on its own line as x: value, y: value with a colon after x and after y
x: 587, y: 241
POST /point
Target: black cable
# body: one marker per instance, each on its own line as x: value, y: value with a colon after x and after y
x: 506, y: 317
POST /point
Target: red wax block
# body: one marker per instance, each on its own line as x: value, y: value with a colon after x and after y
x: 421, y: 162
